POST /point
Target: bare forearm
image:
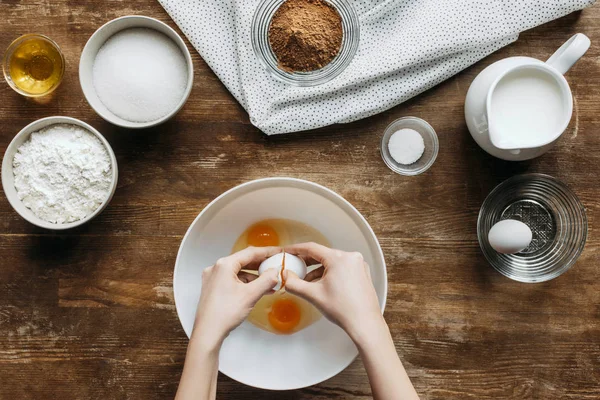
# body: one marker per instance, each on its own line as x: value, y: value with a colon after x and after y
x: 199, y: 377
x: 387, y: 375
x: 225, y: 301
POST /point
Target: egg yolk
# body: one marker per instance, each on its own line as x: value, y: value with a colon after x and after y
x: 262, y: 236
x: 284, y: 315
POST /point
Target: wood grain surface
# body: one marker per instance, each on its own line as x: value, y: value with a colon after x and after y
x: 89, y: 313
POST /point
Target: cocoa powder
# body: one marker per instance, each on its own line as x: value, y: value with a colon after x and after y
x: 305, y: 35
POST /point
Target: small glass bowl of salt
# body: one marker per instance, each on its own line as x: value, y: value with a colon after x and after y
x: 409, y: 146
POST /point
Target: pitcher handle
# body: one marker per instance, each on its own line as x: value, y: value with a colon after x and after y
x: 568, y: 54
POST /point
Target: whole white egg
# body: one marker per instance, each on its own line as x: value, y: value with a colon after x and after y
x: 510, y: 236
x: 292, y: 263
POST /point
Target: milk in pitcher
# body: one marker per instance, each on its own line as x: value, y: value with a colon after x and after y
x: 527, y: 106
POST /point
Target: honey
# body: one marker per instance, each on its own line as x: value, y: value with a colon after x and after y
x: 33, y: 65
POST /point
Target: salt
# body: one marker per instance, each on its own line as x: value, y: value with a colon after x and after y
x: 140, y: 75
x: 406, y: 146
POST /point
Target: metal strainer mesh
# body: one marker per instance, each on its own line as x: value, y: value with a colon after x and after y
x: 557, y: 220
x: 537, y: 218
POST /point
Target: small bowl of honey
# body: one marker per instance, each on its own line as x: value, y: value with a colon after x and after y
x: 33, y: 65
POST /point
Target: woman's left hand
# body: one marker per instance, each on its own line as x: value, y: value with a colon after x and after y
x: 228, y: 293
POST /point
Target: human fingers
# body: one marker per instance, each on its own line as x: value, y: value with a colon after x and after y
x: 249, y: 258
x: 246, y: 277
x: 309, y: 261
x: 310, y: 252
x: 315, y: 274
x: 368, y: 269
x: 300, y: 287
x: 263, y: 284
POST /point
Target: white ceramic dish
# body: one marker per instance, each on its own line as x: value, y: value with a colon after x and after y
x: 478, y: 111
x: 250, y: 355
x: 95, y: 42
x: 8, y: 176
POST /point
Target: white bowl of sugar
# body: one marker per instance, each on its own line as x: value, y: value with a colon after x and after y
x: 59, y: 173
x: 136, y: 72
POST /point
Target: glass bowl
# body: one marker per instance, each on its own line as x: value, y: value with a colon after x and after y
x: 15, y: 45
x: 431, y: 146
x: 555, y: 216
x: 260, y: 44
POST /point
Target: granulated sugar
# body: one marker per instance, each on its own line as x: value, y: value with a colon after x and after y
x: 140, y: 74
x: 62, y: 173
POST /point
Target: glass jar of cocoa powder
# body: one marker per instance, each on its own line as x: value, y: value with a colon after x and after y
x: 289, y: 59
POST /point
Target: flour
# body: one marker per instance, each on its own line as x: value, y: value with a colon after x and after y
x: 62, y: 173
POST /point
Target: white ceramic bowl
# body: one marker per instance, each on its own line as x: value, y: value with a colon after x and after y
x: 8, y: 176
x: 95, y: 42
x: 251, y: 355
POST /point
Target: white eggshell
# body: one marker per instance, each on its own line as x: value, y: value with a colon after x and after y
x: 509, y: 236
x: 292, y: 263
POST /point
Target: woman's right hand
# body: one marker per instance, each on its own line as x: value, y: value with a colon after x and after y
x: 342, y: 289
x: 344, y: 293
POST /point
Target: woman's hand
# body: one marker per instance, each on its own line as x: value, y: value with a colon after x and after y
x: 228, y: 294
x: 341, y: 289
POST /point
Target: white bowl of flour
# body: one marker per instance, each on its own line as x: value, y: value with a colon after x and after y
x: 59, y: 173
x: 136, y: 72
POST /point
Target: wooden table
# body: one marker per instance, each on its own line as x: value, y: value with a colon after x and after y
x: 89, y: 313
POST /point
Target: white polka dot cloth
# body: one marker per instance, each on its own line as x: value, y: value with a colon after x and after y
x: 406, y: 47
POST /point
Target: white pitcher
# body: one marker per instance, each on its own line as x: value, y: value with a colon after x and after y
x: 518, y: 107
